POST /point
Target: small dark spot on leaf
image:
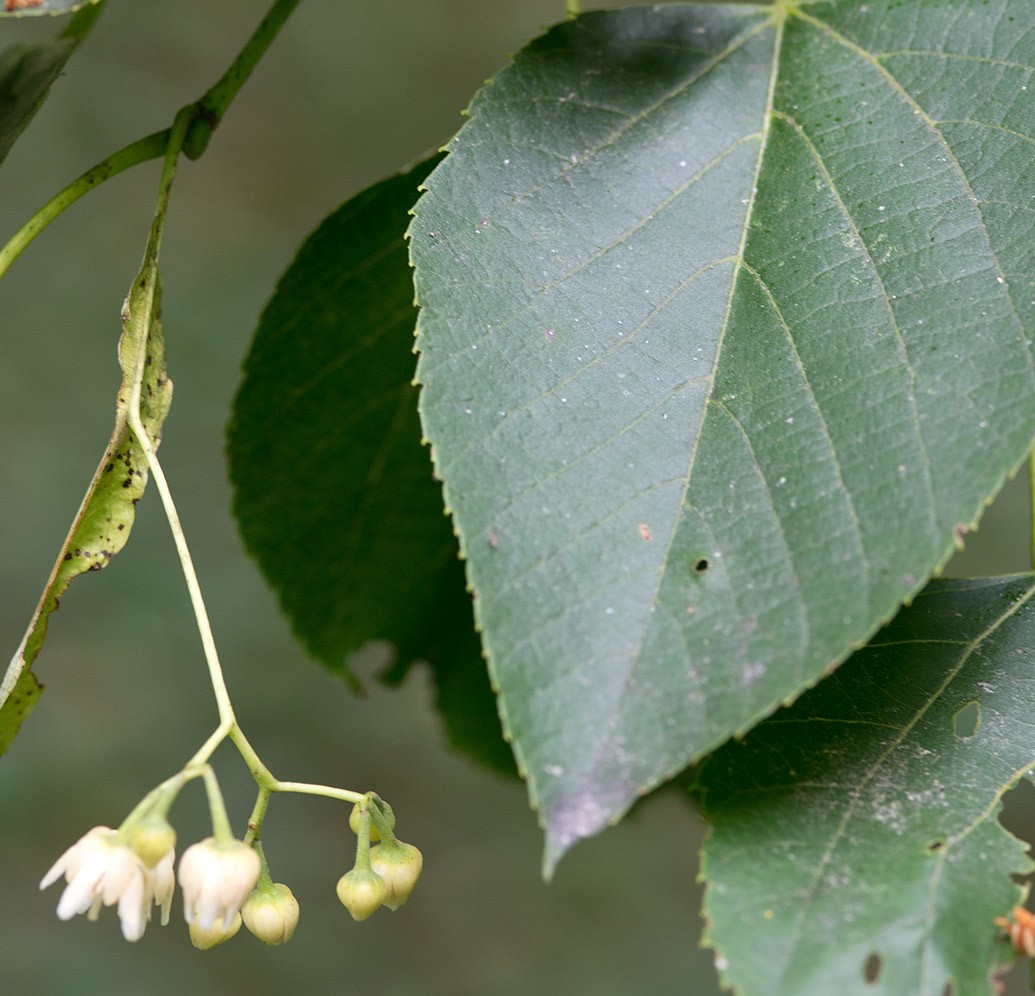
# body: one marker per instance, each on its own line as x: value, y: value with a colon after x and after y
x: 701, y: 566
x: 935, y: 846
x: 67, y: 556
x: 947, y: 991
x: 871, y: 968
x: 121, y: 526
x: 109, y: 468
x: 128, y: 482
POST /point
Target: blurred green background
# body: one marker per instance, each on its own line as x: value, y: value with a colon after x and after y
x: 349, y: 93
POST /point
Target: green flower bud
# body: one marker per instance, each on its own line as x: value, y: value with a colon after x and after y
x: 400, y: 866
x: 374, y: 835
x: 271, y: 914
x: 203, y: 939
x: 361, y: 892
x: 152, y: 839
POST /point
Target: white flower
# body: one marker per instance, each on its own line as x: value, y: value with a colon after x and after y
x: 102, y: 871
x: 216, y: 880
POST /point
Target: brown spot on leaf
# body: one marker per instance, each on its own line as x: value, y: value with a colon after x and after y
x: 22, y: 4
x: 644, y: 532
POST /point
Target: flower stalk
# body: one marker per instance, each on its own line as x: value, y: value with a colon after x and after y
x: 223, y: 878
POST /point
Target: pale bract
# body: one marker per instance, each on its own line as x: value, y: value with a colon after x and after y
x: 216, y: 880
x: 102, y: 871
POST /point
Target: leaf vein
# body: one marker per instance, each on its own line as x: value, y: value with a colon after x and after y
x: 889, y: 307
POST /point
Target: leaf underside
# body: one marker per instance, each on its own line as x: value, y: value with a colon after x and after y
x: 105, y: 517
x: 715, y: 302
x: 861, y: 823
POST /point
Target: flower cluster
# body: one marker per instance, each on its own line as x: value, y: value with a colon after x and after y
x: 135, y: 870
x: 384, y: 875
x: 225, y: 882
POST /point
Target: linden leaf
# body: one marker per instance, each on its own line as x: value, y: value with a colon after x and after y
x: 854, y: 835
x: 725, y: 335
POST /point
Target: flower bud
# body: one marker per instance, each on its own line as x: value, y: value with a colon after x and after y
x: 361, y: 892
x: 374, y: 835
x: 152, y: 839
x: 400, y: 866
x: 216, y: 879
x: 204, y: 938
x: 271, y: 914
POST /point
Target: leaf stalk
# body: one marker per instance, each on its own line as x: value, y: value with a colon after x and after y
x: 204, y: 115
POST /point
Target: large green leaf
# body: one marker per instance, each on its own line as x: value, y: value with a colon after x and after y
x: 724, y: 340
x: 105, y: 517
x: 334, y: 492
x: 856, y: 833
x: 27, y: 72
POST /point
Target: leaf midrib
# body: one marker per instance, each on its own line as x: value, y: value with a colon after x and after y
x: 775, y: 20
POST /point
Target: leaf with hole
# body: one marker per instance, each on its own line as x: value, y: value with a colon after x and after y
x: 855, y: 835
x: 714, y: 301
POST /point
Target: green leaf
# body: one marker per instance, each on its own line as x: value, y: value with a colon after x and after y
x: 105, y: 518
x: 334, y: 493
x: 27, y: 72
x: 861, y: 822
x: 714, y: 302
